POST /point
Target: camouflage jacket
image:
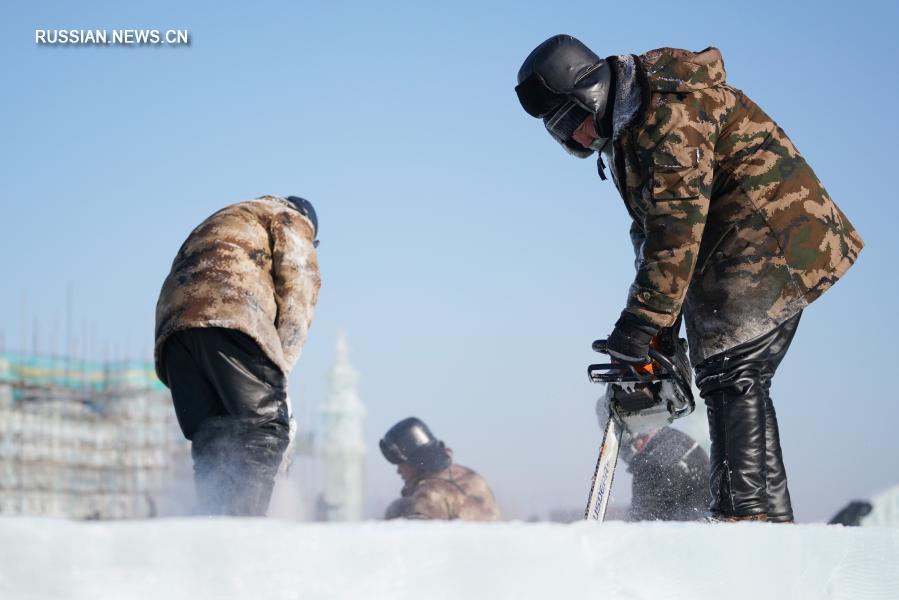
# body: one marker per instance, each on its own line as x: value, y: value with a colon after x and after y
x: 453, y: 493
x: 729, y: 221
x: 251, y: 267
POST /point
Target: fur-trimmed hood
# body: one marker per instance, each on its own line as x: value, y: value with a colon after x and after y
x: 662, y: 70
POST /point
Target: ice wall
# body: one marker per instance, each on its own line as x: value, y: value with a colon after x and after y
x: 269, y: 559
x: 885, y: 509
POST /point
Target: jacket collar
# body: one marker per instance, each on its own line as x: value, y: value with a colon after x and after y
x: 631, y: 93
x: 628, y: 95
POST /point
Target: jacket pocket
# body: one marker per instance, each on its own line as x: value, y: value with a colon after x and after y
x: 676, y: 177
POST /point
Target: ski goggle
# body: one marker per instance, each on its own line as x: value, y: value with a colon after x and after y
x: 537, y: 98
x: 564, y: 121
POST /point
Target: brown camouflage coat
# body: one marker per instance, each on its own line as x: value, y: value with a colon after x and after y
x: 251, y: 267
x: 453, y: 493
x: 730, y: 223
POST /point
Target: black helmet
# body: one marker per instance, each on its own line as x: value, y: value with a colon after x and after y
x: 305, y: 207
x: 563, y: 82
x: 411, y: 442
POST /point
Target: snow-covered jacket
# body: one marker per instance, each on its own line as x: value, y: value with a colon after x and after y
x: 251, y: 267
x: 456, y: 492
x: 729, y: 221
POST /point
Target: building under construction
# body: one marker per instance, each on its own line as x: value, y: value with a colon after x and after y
x: 87, y: 440
x: 99, y: 440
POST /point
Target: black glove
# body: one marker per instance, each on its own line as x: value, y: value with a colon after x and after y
x: 630, y: 338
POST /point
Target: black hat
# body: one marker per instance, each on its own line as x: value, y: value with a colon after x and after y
x: 305, y: 207
x: 562, y: 74
x: 411, y: 442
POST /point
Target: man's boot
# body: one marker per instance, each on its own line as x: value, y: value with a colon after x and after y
x: 747, y: 475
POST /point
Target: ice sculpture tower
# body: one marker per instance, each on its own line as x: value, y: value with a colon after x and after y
x: 341, y: 446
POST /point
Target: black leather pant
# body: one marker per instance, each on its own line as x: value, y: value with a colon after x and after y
x: 747, y: 475
x: 231, y: 402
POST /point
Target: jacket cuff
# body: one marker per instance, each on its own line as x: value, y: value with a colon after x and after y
x: 652, y: 306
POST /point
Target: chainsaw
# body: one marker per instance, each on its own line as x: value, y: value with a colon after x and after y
x: 639, y: 398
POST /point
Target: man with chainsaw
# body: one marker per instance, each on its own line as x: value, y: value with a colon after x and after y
x: 731, y: 228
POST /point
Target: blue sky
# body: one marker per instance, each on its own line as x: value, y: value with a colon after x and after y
x: 470, y: 260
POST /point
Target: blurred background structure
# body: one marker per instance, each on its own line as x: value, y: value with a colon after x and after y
x: 342, y: 447
x: 87, y: 440
x: 99, y: 440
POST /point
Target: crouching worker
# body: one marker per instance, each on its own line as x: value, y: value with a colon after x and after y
x: 670, y: 476
x: 670, y: 472
x: 435, y: 488
x: 231, y: 321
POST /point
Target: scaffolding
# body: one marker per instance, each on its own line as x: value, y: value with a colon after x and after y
x: 87, y: 440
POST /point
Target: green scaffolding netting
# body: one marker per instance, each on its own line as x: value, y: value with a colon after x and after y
x: 77, y: 374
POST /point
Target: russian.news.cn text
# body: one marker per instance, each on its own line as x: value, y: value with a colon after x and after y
x: 112, y: 37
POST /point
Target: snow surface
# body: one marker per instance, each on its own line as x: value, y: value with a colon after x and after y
x: 269, y: 559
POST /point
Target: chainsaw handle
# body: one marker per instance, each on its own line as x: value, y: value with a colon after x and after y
x: 616, y: 373
x: 664, y: 362
x: 668, y: 366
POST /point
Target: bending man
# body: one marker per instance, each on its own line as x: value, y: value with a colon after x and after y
x: 231, y: 321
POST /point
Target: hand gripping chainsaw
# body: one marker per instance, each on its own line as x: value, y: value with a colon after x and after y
x: 639, y: 398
